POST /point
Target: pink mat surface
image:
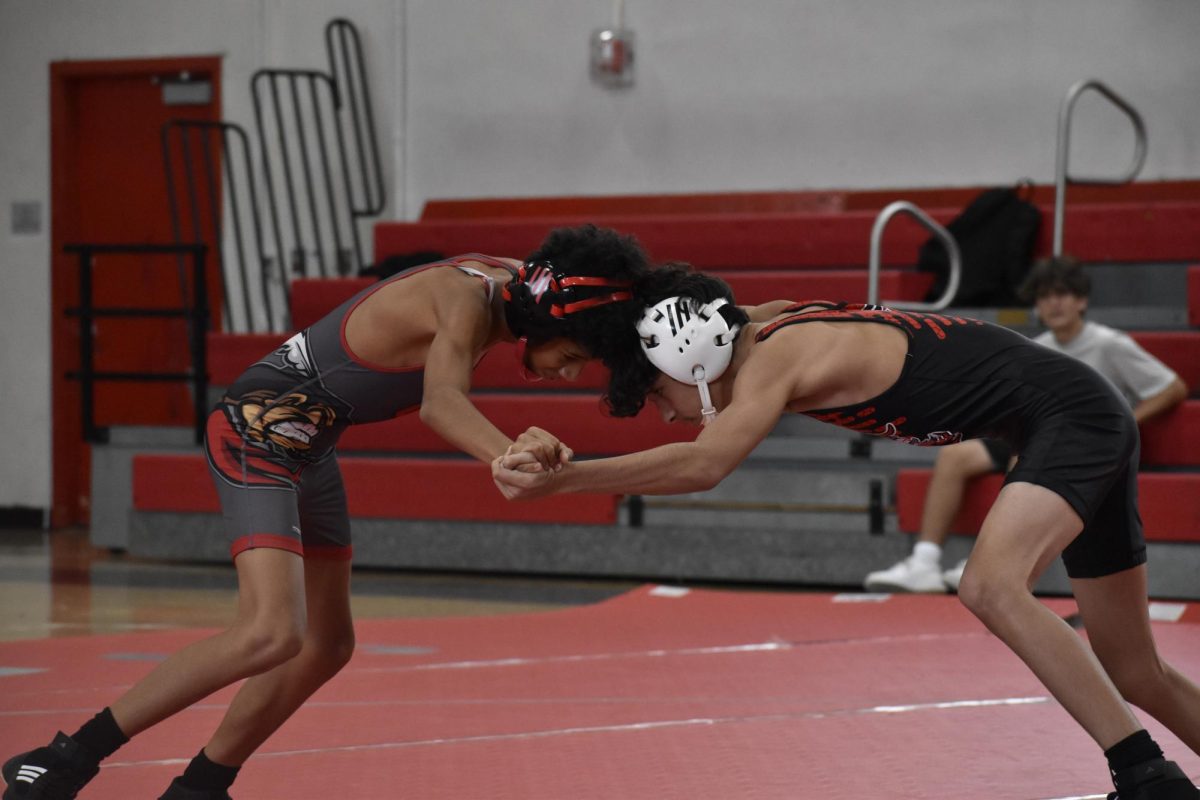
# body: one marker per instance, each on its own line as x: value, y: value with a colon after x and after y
x: 657, y: 694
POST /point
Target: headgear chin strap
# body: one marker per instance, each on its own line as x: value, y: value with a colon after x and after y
x: 689, y: 342
x: 539, y: 300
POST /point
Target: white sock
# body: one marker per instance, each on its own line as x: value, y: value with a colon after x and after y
x: 927, y: 553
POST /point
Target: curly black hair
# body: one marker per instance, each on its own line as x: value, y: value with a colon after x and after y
x: 591, y: 251
x: 632, y: 374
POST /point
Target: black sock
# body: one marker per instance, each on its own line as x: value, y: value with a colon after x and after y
x: 208, y: 775
x: 1133, y: 749
x: 100, y: 735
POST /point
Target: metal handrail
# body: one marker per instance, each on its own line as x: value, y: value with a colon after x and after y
x: 309, y: 191
x: 232, y: 150
x: 1064, y: 142
x: 195, y: 310
x: 327, y: 186
x: 346, y: 65
x: 881, y: 222
x: 322, y: 177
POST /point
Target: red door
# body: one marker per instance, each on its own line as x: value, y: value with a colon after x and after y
x: 108, y: 185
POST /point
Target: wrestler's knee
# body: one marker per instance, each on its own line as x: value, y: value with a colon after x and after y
x: 989, y: 593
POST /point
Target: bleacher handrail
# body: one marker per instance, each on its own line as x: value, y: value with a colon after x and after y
x: 231, y: 161
x: 1061, y: 176
x: 349, y: 73
x: 194, y: 309
x: 881, y: 222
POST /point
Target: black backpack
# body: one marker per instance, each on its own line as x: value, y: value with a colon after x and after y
x: 996, y: 234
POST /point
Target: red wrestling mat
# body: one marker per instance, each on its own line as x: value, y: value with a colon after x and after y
x: 657, y: 694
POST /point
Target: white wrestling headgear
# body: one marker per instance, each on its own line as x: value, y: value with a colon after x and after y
x: 691, y: 343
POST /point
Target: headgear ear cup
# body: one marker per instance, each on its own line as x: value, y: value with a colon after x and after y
x: 689, y: 342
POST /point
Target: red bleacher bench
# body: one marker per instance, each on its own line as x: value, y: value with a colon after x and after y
x: 380, y: 488
x: 1173, y: 439
x: 707, y: 241
x: 313, y: 298
x: 1169, y: 503
x: 811, y: 201
x: 625, y: 204
x: 1179, y: 350
x: 576, y: 419
x: 753, y: 287
x: 230, y: 353
x: 1118, y: 232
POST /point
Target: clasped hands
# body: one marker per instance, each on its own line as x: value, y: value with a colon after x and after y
x: 526, y: 467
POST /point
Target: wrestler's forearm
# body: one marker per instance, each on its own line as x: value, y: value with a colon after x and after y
x: 670, y: 469
x: 456, y: 419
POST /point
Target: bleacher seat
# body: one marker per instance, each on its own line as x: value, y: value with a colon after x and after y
x: 314, y: 297
x: 1131, y: 233
x: 1169, y: 503
x: 752, y: 287
x: 813, y: 201
x: 626, y: 204
x: 576, y: 419
x: 1179, y: 350
x: 1173, y: 439
x: 412, y: 488
x: 230, y: 353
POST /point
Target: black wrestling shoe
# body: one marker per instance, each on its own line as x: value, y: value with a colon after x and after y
x: 1156, y: 779
x: 55, y: 772
x: 177, y: 791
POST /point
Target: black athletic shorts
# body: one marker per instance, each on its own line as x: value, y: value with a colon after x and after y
x: 1090, y: 458
x: 999, y: 451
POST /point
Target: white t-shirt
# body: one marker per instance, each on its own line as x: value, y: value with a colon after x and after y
x: 1115, y: 355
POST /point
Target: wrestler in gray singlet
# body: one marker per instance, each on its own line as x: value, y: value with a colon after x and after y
x: 270, y: 441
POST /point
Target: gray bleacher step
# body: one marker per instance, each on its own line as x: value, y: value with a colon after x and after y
x: 675, y: 553
x: 666, y: 512
x: 742, y: 553
x: 1138, y: 284
x: 781, y: 448
x: 841, y: 496
x: 112, y: 475
x: 668, y: 552
x: 798, y: 485
x: 853, y: 451
x: 1141, y: 318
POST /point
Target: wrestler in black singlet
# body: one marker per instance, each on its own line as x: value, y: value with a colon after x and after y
x: 965, y: 379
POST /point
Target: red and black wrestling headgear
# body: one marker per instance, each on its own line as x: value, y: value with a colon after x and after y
x: 539, y: 300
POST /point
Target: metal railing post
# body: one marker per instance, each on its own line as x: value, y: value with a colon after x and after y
x: 199, y: 332
x: 350, y: 76
x: 87, y: 350
x: 1061, y: 176
x: 196, y: 313
x: 947, y: 240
